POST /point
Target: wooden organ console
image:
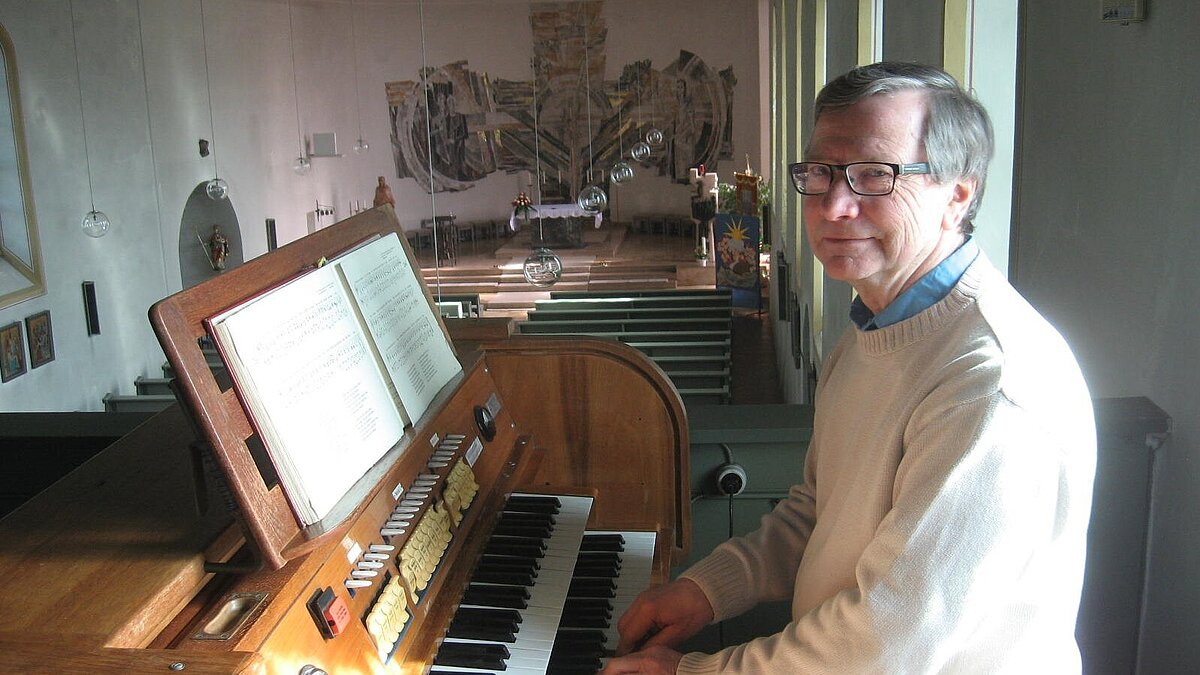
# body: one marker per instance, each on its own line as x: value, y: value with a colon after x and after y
x: 174, y: 551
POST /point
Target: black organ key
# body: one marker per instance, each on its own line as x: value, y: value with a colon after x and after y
x: 515, y: 549
x: 509, y: 562
x: 472, y: 655
x: 576, y: 651
x: 482, y: 623
x: 529, y: 531
x: 513, y: 597
x: 597, y: 568
x: 504, y: 577
x: 532, y: 504
x: 527, y: 518
x: 586, y: 587
x: 573, y: 665
x: 488, y: 615
x: 602, y: 542
x: 474, y: 632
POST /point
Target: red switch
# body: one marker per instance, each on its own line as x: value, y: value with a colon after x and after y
x: 330, y: 611
x: 338, y: 615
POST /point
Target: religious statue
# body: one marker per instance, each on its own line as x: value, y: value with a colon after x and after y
x: 218, y: 248
x: 383, y: 194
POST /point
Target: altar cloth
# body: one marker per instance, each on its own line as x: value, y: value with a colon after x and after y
x: 555, y: 211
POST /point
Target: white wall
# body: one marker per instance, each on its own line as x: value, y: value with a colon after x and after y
x: 1108, y: 230
x: 146, y: 104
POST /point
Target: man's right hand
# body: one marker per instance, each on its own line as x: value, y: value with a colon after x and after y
x: 665, y: 615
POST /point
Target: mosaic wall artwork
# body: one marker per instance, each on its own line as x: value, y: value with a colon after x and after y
x: 476, y: 126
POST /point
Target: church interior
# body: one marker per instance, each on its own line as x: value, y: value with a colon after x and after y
x: 153, y: 147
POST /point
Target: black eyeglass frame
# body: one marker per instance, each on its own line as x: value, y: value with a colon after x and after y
x: 913, y: 169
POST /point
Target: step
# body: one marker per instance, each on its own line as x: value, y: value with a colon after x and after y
x: 708, y: 349
x: 704, y: 396
x: 683, y: 336
x: 679, y: 292
x: 153, y: 385
x: 697, y: 302
x: 136, y: 403
x: 693, y: 380
x: 549, y: 312
x: 627, y: 326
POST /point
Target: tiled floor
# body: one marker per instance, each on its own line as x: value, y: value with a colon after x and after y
x: 754, y: 376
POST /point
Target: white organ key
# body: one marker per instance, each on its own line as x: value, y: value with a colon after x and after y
x: 637, y: 563
x: 535, y: 639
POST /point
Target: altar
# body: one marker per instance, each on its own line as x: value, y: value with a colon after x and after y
x: 556, y: 225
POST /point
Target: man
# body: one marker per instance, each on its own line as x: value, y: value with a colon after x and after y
x: 942, y: 520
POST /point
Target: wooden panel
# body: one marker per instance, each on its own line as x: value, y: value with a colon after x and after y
x: 24, y: 657
x: 621, y: 428
x: 107, y: 555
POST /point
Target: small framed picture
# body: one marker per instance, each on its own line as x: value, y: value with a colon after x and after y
x: 12, y: 352
x: 41, y: 339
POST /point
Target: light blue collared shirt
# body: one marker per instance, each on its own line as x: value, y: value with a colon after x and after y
x: 929, y: 289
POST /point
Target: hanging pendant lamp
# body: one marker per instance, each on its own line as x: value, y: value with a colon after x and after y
x: 640, y: 151
x: 543, y: 268
x: 302, y: 164
x: 216, y: 188
x: 360, y: 145
x: 654, y: 136
x: 95, y: 223
x: 621, y: 171
x: 592, y: 198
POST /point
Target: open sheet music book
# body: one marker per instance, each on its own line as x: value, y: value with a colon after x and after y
x: 333, y: 365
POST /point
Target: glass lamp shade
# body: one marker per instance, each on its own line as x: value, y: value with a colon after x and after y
x: 95, y: 224
x: 543, y: 268
x: 592, y: 199
x: 654, y: 137
x: 621, y: 172
x: 361, y: 146
x: 217, y: 189
x: 640, y: 151
x: 301, y: 166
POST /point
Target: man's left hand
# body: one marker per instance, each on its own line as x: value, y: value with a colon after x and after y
x: 656, y: 660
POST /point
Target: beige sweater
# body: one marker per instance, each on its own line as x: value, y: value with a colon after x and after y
x: 941, y: 524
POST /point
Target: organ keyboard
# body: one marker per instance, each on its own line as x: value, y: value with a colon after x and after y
x: 430, y: 554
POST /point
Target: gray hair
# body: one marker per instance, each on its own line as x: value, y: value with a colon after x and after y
x: 958, y: 134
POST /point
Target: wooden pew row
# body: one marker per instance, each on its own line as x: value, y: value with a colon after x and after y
x: 621, y: 325
x: 687, y: 333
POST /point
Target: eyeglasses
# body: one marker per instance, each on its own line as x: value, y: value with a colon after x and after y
x: 870, y: 179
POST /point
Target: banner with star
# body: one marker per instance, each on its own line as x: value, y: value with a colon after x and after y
x: 737, y: 238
